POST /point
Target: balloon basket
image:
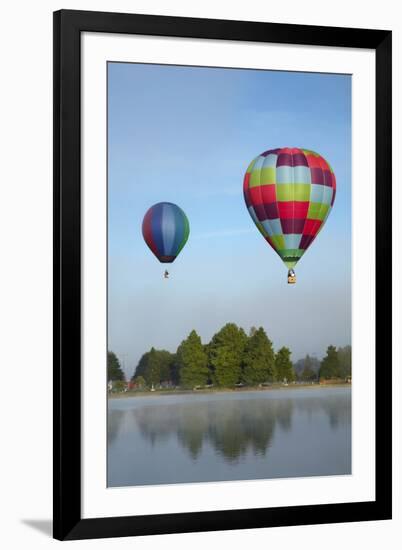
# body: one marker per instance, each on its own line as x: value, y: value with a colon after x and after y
x: 291, y: 277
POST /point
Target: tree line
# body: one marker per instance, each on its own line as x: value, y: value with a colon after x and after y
x: 337, y: 364
x: 230, y: 359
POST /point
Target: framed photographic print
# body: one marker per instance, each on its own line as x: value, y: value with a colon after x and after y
x: 222, y: 270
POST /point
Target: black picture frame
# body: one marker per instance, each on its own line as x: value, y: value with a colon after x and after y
x: 68, y: 522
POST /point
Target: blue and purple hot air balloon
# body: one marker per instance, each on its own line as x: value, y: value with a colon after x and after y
x: 165, y: 229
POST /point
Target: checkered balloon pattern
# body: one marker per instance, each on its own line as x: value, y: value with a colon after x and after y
x: 289, y: 194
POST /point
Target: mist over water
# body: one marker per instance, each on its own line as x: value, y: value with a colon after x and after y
x: 232, y: 436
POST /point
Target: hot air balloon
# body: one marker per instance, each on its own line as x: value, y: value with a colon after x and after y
x: 165, y: 229
x: 289, y: 193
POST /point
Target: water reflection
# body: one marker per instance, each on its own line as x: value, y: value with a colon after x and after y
x: 115, y: 423
x: 232, y: 427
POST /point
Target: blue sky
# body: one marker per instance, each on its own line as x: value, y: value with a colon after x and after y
x: 186, y: 135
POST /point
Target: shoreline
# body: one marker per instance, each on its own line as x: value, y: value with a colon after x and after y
x: 158, y: 393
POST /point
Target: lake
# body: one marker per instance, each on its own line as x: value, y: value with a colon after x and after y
x: 182, y: 438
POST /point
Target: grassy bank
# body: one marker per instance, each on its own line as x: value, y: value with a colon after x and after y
x: 177, y: 391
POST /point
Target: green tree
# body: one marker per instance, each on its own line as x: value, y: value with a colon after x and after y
x: 252, y: 331
x: 298, y: 367
x: 141, y: 368
x: 155, y: 366
x: 345, y: 361
x: 192, y: 362
x: 330, y: 364
x: 308, y: 374
x: 226, y: 355
x: 165, y: 359
x: 284, y: 366
x: 174, y: 370
x: 114, y: 370
x: 118, y: 386
x: 258, y: 358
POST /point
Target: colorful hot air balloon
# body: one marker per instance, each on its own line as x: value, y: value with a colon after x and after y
x: 289, y: 194
x: 165, y: 229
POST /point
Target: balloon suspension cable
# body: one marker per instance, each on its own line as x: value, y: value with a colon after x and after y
x: 291, y: 277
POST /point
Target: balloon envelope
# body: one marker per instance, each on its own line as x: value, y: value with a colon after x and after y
x: 289, y: 193
x: 165, y: 229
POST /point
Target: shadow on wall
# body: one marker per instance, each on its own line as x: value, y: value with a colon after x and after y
x: 44, y: 526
